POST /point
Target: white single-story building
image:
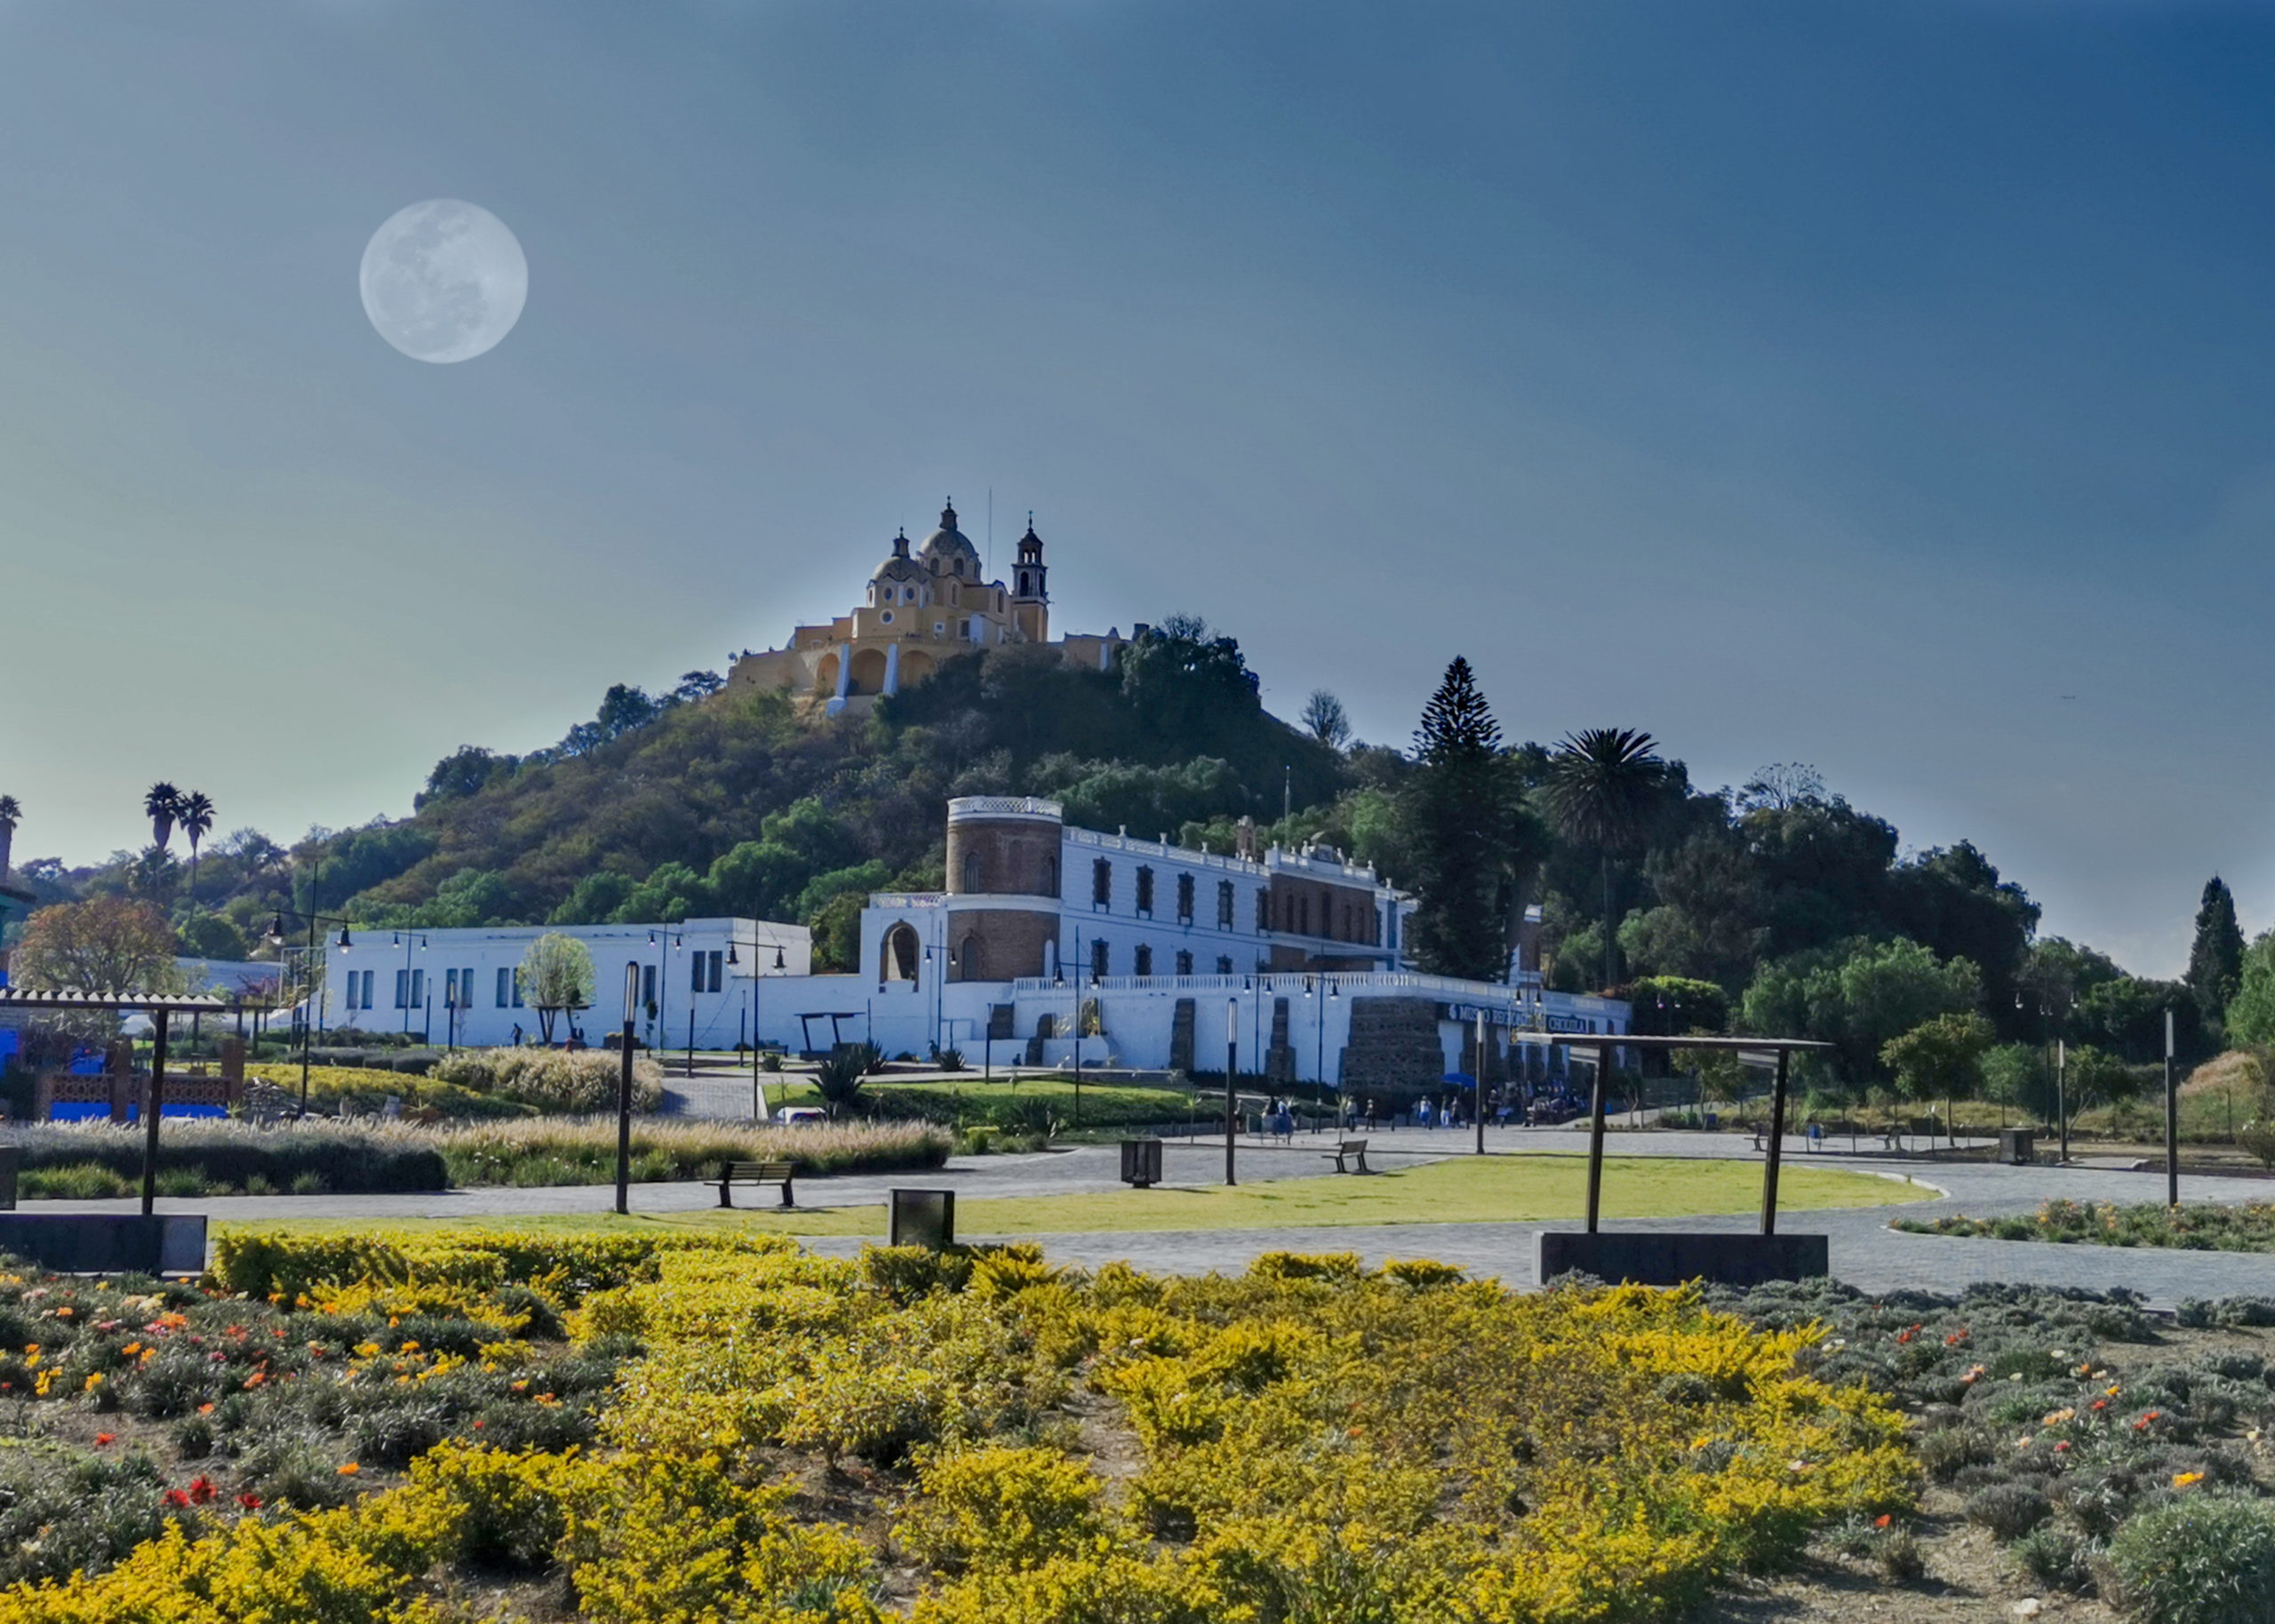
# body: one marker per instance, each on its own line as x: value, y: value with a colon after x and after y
x: 706, y: 981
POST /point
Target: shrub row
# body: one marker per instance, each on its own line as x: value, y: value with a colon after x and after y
x: 2205, y: 1227
x: 341, y: 1159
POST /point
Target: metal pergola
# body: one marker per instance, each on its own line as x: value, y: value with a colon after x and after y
x: 161, y: 1007
x: 1606, y: 1043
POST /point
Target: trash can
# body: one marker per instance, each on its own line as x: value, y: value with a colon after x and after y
x: 2017, y: 1146
x: 1141, y: 1162
x: 923, y: 1218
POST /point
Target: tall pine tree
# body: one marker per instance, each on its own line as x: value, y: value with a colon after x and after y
x: 1460, y: 808
x: 2215, y: 962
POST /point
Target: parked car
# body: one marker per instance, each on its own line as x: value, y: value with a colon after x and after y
x: 800, y: 1116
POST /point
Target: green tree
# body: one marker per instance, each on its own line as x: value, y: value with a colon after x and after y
x: 1602, y: 785
x: 194, y: 813
x: 1324, y: 720
x: 2092, y: 1077
x: 162, y: 804
x: 1941, y: 1058
x: 107, y: 944
x: 1672, y: 1006
x: 1857, y: 997
x: 203, y: 934
x: 557, y: 976
x: 2215, y: 958
x: 2250, y: 1014
x: 1459, y: 806
x: 2127, y: 1017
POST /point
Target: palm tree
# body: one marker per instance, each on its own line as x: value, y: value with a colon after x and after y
x: 12, y: 813
x: 162, y: 804
x: 196, y: 814
x: 1602, y: 782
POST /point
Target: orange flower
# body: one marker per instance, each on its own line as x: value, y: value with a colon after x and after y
x: 2181, y: 1480
x: 350, y: 1469
x: 1883, y: 1519
x: 206, y: 1408
x: 102, y: 1439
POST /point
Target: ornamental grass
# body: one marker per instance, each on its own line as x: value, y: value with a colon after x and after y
x: 582, y: 1149
x: 751, y: 1433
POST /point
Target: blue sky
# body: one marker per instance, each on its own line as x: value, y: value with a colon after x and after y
x: 1844, y: 384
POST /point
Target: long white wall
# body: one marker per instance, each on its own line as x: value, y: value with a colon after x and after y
x: 459, y: 985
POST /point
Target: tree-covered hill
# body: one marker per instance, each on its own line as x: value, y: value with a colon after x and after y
x: 1775, y: 904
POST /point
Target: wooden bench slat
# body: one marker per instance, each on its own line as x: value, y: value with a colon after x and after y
x: 759, y: 1173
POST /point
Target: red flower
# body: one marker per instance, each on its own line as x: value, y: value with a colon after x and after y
x: 102, y: 1439
x: 1883, y: 1519
x: 202, y: 1488
x: 250, y: 1502
x: 175, y: 1497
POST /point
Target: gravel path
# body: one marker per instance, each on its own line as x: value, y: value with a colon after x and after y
x: 1864, y: 1251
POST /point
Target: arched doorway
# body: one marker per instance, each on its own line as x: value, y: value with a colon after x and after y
x: 915, y: 667
x: 826, y: 674
x: 868, y: 671
x: 898, y: 956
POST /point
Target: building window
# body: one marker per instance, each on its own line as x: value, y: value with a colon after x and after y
x: 1393, y: 917
x: 648, y: 985
x: 450, y: 989
x: 1263, y: 912
x: 708, y: 968
x: 1184, y: 899
x: 418, y: 988
x: 886, y: 618
x: 504, y: 987
x: 1223, y: 964
x: 1145, y: 962
x: 1184, y: 963
x: 1145, y: 892
x: 465, y: 988
x: 1101, y: 883
x: 518, y: 989
x: 401, y: 989
x: 1304, y: 914
x: 1224, y: 904
x: 971, y: 872
x: 1050, y: 876
x: 1097, y: 958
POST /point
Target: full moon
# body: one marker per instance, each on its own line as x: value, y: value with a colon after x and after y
x: 445, y: 280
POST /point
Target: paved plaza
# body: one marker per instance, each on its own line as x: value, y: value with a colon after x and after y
x: 1864, y: 1251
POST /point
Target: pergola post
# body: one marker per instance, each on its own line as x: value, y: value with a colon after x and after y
x: 160, y: 1018
x: 1595, y: 1136
x: 1777, y: 1141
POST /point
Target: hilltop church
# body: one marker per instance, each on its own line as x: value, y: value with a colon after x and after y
x: 922, y: 607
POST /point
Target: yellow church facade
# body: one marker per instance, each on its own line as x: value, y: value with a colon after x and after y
x: 923, y: 606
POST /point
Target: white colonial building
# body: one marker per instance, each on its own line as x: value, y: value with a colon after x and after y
x: 1049, y: 941
x: 704, y: 981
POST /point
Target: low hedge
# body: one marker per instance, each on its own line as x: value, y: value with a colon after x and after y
x: 342, y: 1159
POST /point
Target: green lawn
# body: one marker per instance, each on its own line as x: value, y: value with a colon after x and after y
x: 1492, y: 1188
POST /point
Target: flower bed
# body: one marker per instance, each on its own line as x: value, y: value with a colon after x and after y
x: 2201, y: 1228
x: 739, y: 1430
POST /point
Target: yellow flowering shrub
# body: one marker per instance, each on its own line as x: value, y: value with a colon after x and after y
x: 1308, y: 1444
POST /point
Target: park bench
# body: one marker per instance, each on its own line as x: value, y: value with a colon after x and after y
x: 757, y: 1173
x: 1355, y: 1149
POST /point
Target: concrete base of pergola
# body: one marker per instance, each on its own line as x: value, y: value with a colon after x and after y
x: 107, y: 1243
x: 1659, y: 1257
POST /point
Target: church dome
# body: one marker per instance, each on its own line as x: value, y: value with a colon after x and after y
x: 900, y: 567
x: 948, y: 552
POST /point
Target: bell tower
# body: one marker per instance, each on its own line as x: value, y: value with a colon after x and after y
x: 1030, y: 589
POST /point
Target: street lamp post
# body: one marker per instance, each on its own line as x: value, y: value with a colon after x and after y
x: 1231, y: 1081
x: 781, y: 967
x: 307, y: 1026
x: 624, y: 1092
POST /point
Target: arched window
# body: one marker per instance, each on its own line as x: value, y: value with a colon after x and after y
x: 1050, y: 876
x: 972, y: 961
x: 971, y: 875
x: 1145, y: 961
x: 897, y: 955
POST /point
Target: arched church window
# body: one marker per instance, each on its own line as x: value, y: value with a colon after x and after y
x: 971, y: 873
